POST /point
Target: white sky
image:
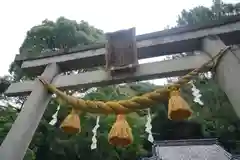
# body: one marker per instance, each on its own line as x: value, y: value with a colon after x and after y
x: 19, y: 16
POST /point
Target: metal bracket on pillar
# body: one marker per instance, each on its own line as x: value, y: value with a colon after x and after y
x: 20, y: 135
x: 121, y: 56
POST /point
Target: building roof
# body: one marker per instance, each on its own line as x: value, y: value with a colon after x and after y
x: 151, y: 158
x: 192, y: 149
x: 235, y: 157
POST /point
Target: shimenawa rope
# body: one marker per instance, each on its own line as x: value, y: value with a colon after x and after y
x: 133, y: 104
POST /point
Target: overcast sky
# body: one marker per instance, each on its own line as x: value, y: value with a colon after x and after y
x: 18, y: 16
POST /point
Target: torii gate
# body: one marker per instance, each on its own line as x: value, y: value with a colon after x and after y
x: 208, y: 38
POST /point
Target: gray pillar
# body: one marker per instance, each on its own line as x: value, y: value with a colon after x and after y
x: 19, y: 137
x: 227, y: 71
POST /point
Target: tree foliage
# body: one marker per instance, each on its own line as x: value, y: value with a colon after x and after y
x: 62, y: 34
x: 201, y: 14
x: 58, y: 36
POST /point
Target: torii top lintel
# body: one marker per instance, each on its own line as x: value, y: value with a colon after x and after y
x: 176, y: 40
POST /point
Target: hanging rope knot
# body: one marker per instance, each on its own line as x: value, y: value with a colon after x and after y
x: 71, y: 123
x: 178, y: 109
x: 174, y: 87
x: 175, y: 93
x: 121, y: 132
x: 120, y: 117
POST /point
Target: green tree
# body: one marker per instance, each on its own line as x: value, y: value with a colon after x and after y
x: 62, y: 34
x: 4, y: 83
x: 203, y: 14
x: 56, y: 36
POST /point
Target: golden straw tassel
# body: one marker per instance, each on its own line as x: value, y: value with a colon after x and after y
x: 121, y: 133
x: 178, y: 108
x: 71, y: 123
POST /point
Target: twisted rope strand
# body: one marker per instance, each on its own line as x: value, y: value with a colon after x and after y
x: 134, y: 103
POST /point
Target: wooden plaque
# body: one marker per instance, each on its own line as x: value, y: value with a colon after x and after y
x: 121, y: 53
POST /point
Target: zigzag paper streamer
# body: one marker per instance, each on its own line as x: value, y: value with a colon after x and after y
x: 197, y: 95
x: 149, y: 127
x: 94, y: 139
x: 54, y: 120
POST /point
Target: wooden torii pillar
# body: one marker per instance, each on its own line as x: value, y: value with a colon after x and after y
x: 177, y: 40
x: 19, y: 137
x: 228, y: 69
